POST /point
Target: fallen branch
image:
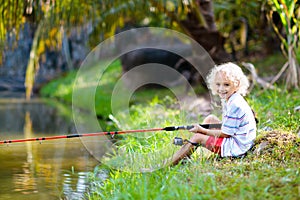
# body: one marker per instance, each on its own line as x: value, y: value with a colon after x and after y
x: 256, y: 79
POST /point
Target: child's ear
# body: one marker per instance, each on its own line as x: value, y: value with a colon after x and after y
x: 237, y: 83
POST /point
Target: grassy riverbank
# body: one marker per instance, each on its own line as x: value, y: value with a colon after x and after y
x: 136, y: 168
x: 272, y: 173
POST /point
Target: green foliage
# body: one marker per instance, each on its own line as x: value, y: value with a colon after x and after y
x: 59, y: 18
x: 56, y: 19
x: 240, y: 22
x: 62, y: 89
x: 298, y: 54
x: 230, y: 14
x: 13, y: 11
x: 288, y: 11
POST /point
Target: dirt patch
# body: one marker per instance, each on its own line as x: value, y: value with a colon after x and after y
x: 268, y: 142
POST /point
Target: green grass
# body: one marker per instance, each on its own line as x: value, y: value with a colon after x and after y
x: 275, y: 108
x: 271, y: 174
x: 209, y: 180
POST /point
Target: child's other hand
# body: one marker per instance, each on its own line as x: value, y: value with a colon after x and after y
x: 197, y: 129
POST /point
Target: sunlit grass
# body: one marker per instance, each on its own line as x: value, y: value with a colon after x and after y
x: 272, y: 173
x: 276, y: 108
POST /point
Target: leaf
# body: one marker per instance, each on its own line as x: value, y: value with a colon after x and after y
x: 280, y: 10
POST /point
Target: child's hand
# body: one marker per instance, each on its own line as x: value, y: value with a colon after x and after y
x: 197, y: 129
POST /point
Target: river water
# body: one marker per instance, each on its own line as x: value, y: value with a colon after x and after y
x: 54, y: 169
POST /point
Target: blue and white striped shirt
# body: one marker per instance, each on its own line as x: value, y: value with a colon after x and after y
x: 238, y: 122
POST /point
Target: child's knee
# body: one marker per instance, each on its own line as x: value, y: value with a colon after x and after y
x: 211, y: 119
x: 199, y: 138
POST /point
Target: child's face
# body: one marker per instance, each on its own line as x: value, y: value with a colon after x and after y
x: 225, y: 87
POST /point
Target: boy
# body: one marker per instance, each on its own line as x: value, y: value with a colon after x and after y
x: 238, y: 129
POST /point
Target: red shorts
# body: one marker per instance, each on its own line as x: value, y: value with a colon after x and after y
x: 214, y: 144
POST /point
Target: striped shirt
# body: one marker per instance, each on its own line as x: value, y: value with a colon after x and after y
x: 238, y: 121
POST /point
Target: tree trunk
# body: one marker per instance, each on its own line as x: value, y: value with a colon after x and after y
x: 207, y: 35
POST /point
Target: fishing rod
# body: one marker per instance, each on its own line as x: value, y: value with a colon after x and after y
x: 111, y: 133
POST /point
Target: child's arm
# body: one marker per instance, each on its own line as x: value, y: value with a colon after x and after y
x: 210, y: 132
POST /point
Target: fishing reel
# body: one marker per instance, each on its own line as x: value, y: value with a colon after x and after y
x: 178, y: 141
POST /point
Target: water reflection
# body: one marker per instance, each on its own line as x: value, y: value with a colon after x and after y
x: 40, y: 170
x: 25, y: 182
x: 74, y: 190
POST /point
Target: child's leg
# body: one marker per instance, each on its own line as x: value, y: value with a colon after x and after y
x: 187, y: 149
x: 212, y: 143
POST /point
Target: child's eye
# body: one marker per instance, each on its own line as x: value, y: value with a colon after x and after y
x: 217, y: 84
x: 227, y: 84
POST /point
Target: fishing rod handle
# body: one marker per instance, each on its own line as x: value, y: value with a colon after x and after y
x: 207, y: 126
x: 188, y: 127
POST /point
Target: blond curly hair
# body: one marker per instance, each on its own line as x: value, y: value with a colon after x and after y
x: 233, y: 73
